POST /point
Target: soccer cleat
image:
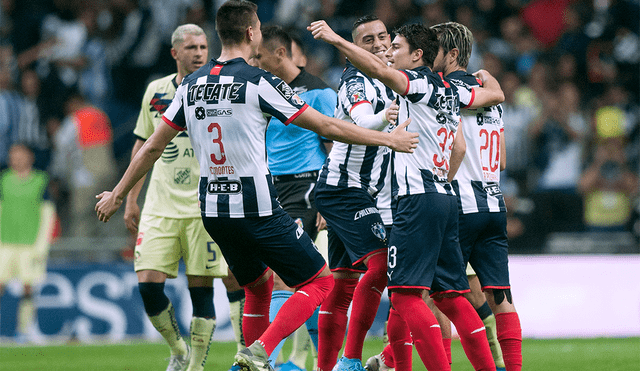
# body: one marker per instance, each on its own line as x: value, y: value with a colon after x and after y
x: 235, y: 367
x: 348, y: 364
x: 253, y: 358
x: 375, y: 363
x: 179, y: 362
x: 501, y: 369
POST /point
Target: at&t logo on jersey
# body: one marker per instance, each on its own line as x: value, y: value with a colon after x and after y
x: 171, y: 153
x: 214, y: 92
x: 224, y: 187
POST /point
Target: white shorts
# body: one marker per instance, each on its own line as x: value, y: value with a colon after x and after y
x: 24, y: 263
x: 163, y: 241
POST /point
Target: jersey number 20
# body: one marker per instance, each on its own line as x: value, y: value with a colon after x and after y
x: 492, y: 145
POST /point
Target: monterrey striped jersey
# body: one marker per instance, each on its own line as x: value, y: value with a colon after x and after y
x: 434, y: 108
x: 351, y: 165
x: 477, y: 181
x: 222, y: 106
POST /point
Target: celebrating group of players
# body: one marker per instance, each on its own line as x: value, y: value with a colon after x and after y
x: 410, y: 193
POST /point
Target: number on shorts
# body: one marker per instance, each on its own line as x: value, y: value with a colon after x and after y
x: 212, y: 251
x: 392, y: 256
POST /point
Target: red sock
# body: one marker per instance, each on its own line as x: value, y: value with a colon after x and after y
x: 296, y: 311
x: 332, y: 322
x: 400, y: 341
x: 366, y: 300
x: 446, y: 342
x: 510, y: 339
x: 473, y: 335
x: 255, y: 319
x: 387, y: 356
x: 424, y: 327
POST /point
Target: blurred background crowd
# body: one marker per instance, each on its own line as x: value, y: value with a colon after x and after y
x: 73, y: 72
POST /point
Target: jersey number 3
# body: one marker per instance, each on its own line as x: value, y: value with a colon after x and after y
x: 218, y: 161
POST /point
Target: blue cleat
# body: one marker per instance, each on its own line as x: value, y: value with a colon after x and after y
x: 501, y: 369
x: 235, y: 367
x: 348, y: 364
x: 289, y: 366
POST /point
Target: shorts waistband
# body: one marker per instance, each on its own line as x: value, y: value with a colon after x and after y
x: 291, y: 177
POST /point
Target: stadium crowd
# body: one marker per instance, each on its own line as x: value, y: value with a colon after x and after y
x: 72, y: 75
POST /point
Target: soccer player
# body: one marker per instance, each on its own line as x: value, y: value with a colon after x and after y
x: 345, y: 195
x: 295, y: 155
x: 170, y: 226
x: 424, y: 234
x: 26, y: 225
x: 483, y: 219
x: 222, y: 105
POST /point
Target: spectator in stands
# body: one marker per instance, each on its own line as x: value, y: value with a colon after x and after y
x: 83, y: 161
x: 608, y: 187
x: 30, y: 129
x: 9, y: 106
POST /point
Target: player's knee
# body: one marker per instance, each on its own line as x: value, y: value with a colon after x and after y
x: 499, y: 295
x: 153, y: 297
x: 202, y: 301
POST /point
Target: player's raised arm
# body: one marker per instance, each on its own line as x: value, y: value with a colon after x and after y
x: 489, y: 94
x: 139, y: 166
x: 361, y: 59
x: 399, y: 140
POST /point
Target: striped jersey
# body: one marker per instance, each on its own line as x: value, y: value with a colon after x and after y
x: 434, y: 108
x: 477, y: 182
x: 353, y: 165
x: 173, y: 184
x: 222, y: 105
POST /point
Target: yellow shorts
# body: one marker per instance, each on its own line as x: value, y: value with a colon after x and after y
x: 470, y: 271
x: 163, y: 241
x: 24, y: 263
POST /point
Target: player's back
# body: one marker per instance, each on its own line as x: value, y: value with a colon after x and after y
x: 222, y: 105
x: 434, y: 108
x: 477, y: 181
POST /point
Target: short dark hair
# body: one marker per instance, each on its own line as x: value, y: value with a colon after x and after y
x: 274, y: 36
x: 233, y: 19
x: 420, y: 37
x: 362, y: 20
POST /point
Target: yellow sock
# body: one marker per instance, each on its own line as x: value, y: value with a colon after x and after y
x: 300, y: 349
x: 492, y: 336
x: 26, y: 315
x: 167, y: 325
x: 201, y: 333
x: 236, y: 309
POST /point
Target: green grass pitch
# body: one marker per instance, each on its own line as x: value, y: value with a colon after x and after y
x: 611, y: 354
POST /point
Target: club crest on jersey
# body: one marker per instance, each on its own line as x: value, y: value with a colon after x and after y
x: 224, y: 187
x: 379, y: 231
x: 182, y: 175
x: 212, y: 92
x: 159, y: 103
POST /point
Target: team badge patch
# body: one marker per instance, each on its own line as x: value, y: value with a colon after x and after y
x: 182, y: 176
x: 285, y: 90
x: 355, y: 91
x: 379, y: 231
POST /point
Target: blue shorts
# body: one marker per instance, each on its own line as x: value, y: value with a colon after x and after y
x: 354, y: 225
x: 250, y: 245
x: 424, y: 252
x: 484, y: 244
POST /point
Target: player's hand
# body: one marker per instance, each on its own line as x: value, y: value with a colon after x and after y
x: 132, y: 217
x: 403, y: 140
x: 321, y: 31
x: 320, y: 223
x: 483, y: 75
x: 107, y: 206
x: 391, y: 114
